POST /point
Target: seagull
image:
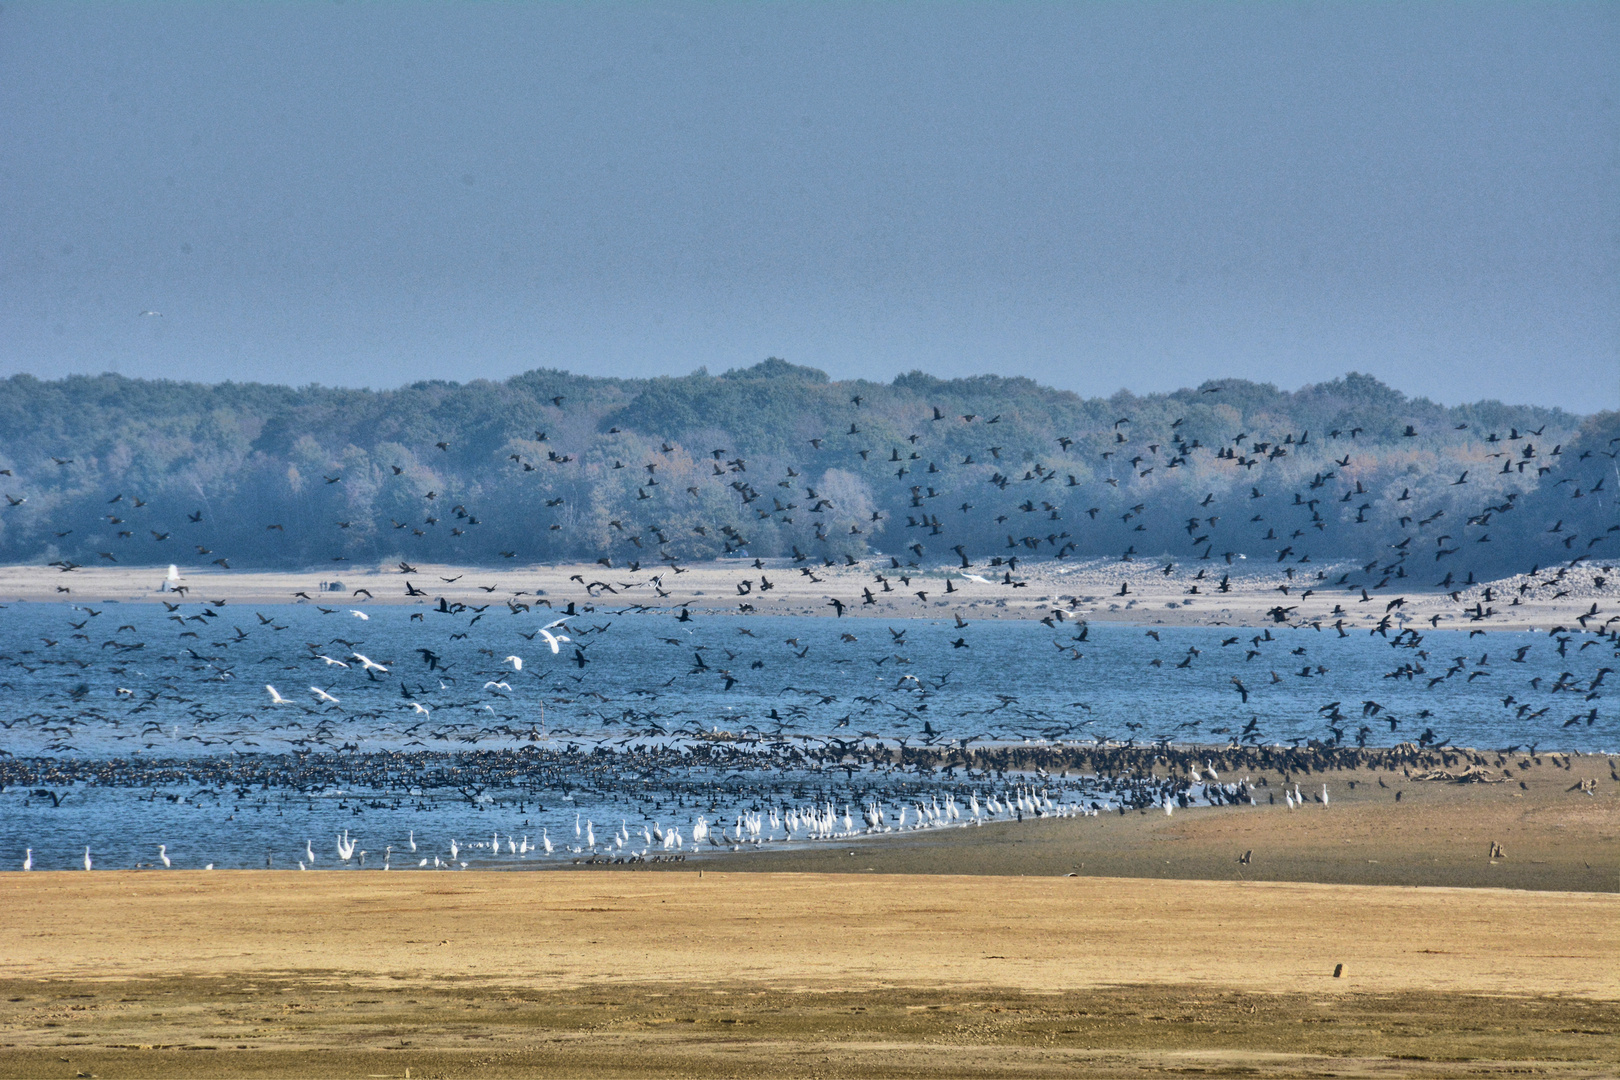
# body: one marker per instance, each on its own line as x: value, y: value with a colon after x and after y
x: 368, y: 664
x: 359, y: 614
x: 329, y: 660
x: 322, y: 695
x: 517, y: 661
x: 421, y: 708
x: 275, y: 696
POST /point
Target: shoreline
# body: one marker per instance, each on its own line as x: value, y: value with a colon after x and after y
x: 1082, y: 589
x: 1534, y: 822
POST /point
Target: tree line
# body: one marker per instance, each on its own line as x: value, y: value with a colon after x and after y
x: 777, y: 460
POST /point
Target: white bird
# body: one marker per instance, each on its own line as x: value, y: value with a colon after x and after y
x: 275, y: 696
x: 454, y: 850
x: 359, y: 614
x: 322, y: 695
x: 28, y: 859
x: 153, y: 314
x: 413, y: 839
x: 554, y: 639
x: 87, y: 863
x: 590, y: 835
x: 516, y: 662
x: 309, y: 850
x: 368, y: 664
x: 498, y: 685
x: 163, y: 853
x: 329, y: 660
x: 545, y: 840
x: 421, y: 708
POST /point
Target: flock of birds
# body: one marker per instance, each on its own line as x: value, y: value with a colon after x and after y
x: 405, y: 700
x: 784, y: 823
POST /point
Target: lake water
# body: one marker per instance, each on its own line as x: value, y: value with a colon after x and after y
x: 147, y: 726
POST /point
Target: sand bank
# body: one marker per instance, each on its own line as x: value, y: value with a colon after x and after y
x: 1087, y: 589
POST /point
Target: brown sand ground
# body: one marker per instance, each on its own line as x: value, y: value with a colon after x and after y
x: 1085, y: 588
x: 489, y: 974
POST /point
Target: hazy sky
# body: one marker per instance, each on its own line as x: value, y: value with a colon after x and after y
x: 1094, y: 195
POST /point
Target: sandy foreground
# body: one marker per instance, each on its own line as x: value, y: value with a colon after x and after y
x: 1087, y: 589
x: 958, y: 953
x: 494, y: 974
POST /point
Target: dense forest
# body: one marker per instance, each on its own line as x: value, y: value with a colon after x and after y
x: 776, y: 460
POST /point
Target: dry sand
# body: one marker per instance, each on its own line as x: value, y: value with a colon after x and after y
x: 1083, y: 588
x: 248, y: 973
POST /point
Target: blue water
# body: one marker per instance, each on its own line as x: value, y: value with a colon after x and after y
x: 138, y: 683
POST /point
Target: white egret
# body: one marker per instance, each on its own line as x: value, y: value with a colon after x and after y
x: 413, y: 839
x: 275, y: 696
x: 359, y: 614
x: 163, y: 853
x: 322, y: 695
x: 28, y: 859
x: 329, y: 660
x: 368, y: 664
x: 87, y: 863
x: 516, y: 662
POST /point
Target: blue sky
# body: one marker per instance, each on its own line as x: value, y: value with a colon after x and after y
x: 1095, y: 195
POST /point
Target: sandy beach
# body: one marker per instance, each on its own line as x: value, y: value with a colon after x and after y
x: 1082, y: 588
x: 794, y: 974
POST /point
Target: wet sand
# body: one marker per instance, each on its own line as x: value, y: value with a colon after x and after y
x: 1085, y: 588
x: 1552, y: 819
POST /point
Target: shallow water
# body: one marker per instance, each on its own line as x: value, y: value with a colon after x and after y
x: 140, y: 683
